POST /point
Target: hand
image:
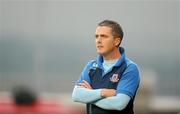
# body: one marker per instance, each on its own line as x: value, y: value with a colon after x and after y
x: 85, y: 84
x: 108, y: 92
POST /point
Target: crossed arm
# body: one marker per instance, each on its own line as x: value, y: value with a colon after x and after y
x: 103, y: 98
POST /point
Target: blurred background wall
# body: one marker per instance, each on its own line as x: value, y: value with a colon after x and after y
x: 46, y: 43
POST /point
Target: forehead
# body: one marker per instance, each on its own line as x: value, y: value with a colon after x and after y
x: 103, y: 30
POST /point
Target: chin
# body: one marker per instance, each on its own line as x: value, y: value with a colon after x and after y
x: 100, y: 52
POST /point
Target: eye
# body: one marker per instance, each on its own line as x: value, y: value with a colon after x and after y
x: 104, y: 36
x: 96, y: 36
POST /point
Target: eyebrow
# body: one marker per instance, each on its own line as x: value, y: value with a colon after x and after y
x: 102, y: 35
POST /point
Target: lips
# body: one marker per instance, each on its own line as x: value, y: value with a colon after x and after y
x: 99, y: 46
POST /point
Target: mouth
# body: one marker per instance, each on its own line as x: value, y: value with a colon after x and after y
x: 99, y: 47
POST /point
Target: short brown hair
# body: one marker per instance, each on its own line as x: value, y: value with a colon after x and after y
x: 116, y: 28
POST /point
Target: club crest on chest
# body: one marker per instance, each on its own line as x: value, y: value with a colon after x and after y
x: 114, y: 78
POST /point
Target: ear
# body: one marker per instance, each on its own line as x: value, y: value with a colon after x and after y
x: 117, y: 41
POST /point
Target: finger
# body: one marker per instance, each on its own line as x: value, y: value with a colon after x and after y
x: 87, y: 84
x: 84, y: 85
x: 81, y: 86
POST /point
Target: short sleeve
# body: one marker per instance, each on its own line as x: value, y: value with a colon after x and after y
x: 129, y: 81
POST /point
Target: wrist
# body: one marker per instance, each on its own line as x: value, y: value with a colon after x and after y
x: 108, y: 92
x: 102, y: 93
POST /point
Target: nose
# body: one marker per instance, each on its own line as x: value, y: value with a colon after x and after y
x: 98, y: 40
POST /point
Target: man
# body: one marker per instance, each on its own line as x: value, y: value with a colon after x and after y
x: 109, y: 83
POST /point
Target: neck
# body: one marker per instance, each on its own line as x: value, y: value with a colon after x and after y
x: 114, y: 54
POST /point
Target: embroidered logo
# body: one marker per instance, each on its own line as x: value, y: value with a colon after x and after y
x: 114, y: 78
x: 95, y: 65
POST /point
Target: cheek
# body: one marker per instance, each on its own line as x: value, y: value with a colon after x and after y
x: 109, y: 43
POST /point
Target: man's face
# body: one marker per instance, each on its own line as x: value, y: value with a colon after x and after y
x: 105, y: 42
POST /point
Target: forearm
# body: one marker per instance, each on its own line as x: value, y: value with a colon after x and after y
x: 85, y: 95
x: 120, y: 101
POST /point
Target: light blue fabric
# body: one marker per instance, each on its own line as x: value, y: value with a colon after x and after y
x: 118, y: 102
x: 108, y: 64
x: 85, y: 95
